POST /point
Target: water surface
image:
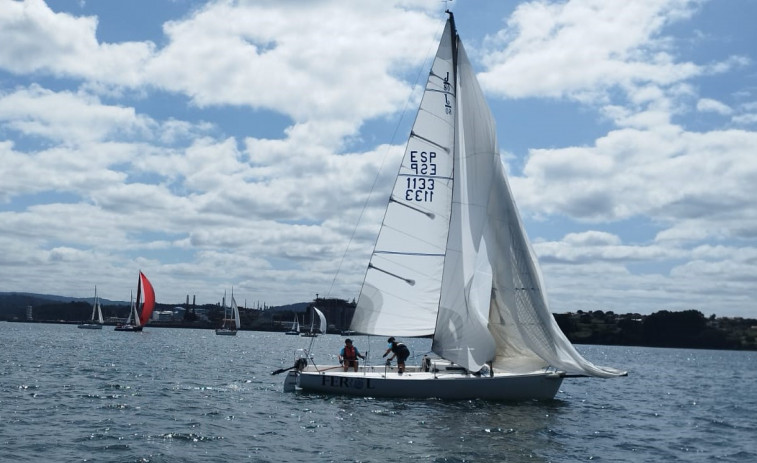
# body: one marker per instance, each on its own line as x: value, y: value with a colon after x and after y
x: 178, y: 395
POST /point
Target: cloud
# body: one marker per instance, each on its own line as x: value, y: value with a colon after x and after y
x: 657, y: 173
x: 69, y: 118
x: 36, y: 39
x: 274, y: 56
x: 574, y: 49
x: 115, y: 156
x: 710, y: 105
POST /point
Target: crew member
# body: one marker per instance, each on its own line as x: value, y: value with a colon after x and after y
x: 349, y: 354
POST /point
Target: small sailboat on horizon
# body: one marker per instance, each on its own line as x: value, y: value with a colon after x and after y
x: 231, y: 322
x: 316, y: 329
x: 96, y: 320
x: 295, y: 329
x: 140, y: 316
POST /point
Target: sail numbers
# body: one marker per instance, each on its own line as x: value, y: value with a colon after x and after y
x: 421, y: 187
x: 447, y: 89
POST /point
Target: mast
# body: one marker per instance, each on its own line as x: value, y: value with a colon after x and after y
x: 453, y: 37
x: 94, y: 306
x: 455, y: 113
x: 139, y: 293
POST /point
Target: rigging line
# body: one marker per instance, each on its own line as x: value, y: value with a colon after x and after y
x: 429, y: 53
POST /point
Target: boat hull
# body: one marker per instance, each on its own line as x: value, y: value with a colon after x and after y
x: 537, y: 385
x: 131, y: 328
x: 226, y: 332
x: 90, y: 326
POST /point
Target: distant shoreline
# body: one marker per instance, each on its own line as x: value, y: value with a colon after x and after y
x: 663, y: 330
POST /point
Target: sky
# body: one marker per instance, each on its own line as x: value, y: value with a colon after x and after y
x: 251, y: 145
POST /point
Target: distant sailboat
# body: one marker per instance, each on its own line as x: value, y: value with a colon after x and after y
x: 139, y: 318
x: 452, y: 261
x: 96, y: 320
x: 314, y: 330
x: 231, y: 321
x: 295, y: 330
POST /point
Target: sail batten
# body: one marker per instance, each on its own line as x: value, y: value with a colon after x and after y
x: 431, y: 142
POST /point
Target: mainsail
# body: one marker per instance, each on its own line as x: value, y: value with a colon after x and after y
x: 235, y: 312
x: 322, y: 321
x: 452, y: 258
x: 133, y: 317
x: 97, y: 312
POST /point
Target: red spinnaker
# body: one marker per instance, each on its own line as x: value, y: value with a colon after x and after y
x: 149, y: 295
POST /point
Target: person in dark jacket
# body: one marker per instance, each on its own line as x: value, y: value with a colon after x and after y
x: 398, y: 350
x: 349, y: 354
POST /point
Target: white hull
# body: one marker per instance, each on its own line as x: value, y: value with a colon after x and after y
x: 378, y: 382
x: 133, y: 328
x: 226, y: 332
x: 91, y: 326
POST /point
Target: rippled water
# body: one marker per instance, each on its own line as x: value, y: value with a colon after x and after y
x: 172, y: 395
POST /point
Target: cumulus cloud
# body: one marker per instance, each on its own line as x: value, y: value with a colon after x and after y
x: 36, y: 39
x: 656, y: 205
x: 69, y: 118
x: 710, y: 105
x: 574, y: 49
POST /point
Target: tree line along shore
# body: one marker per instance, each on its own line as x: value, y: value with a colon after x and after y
x: 665, y: 328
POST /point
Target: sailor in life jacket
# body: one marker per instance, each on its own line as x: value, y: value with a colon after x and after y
x: 349, y: 354
x: 398, y: 350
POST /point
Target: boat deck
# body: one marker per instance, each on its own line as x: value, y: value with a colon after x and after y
x: 415, y: 372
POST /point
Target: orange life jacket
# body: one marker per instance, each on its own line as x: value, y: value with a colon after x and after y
x: 349, y: 353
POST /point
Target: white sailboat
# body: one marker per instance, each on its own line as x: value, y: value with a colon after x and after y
x: 132, y: 321
x: 295, y: 330
x: 316, y: 329
x: 96, y: 320
x: 231, y: 321
x: 452, y: 261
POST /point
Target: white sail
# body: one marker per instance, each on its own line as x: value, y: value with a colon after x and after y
x: 322, y: 318
x: 235, y: 311
x: 462, y: 333
x: 452, y: 258
x: 96, y: 319
x: 131, y: 313
x: 400, y: 294
x: 99, y: 318
x: 97, y: 313
x: 133, y: 317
